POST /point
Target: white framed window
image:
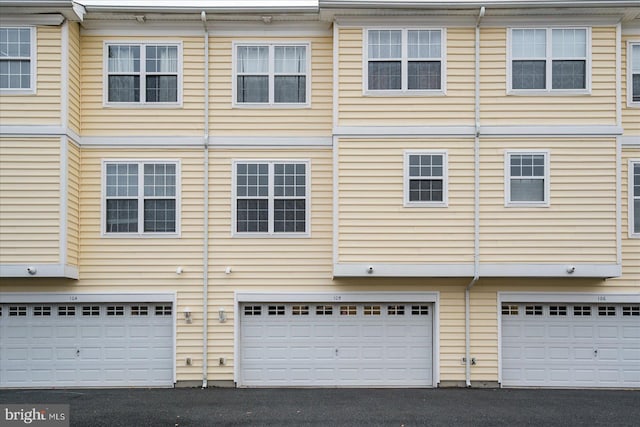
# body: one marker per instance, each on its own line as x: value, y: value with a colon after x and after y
x: 549, y: 60
x: 141, y: 198
x: 17, y: 60
x: 143, y: 74
x: 271, y: 198
x: 271, y: 74
x: 404, y: 61
x: 633, y: 74
x: 425, y: 179
x: 527, y: 178
x: 634, y: 198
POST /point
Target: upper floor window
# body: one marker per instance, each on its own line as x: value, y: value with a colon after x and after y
x: 272, y: 74
x: 549, y: 59
x: 634, y: 198
x: 143, y: 73
x: 271, y: 197
x: 425, y: 175
x: 633, y: 83
x: 17, y: 60
x: 404, y: 60
x: 527, y: 178
x: 141, y: 197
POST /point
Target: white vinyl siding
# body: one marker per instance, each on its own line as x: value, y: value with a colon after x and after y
x: 425, y: 179
x: 404, y: 60
x: 633, y: 83
x: 17, y: 60
x: 527, y: 178
x: 634, y: 198
x: 549, y: 60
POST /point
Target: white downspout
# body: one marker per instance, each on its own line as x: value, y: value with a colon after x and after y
x: 476, y: 209
x: 205, y: 248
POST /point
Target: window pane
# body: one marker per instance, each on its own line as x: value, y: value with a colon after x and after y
x: 528, y: 44
x: 253, y: 89
x: 162, y: 89
x: 122, y: 180
x: 252, y: 180
x: 424, y: 44
x: 124, y: 59
x: 426, y: 165
x: 122, y: 216
x: 160, y: 216
x: 159, y: 180
x: 253, y: 59
x: 385, y: 75
x: 15, y: 74
x: 15, y: 42
x: 385, y: 44
x: 569, y: 43
x: 289, y: 216
x: 124, y: 89
x: 162, y: 59
x: 636, y: 87
x: 252, y: 216
x: 527, y: 190
x: 290, y: 59
x: 290, y: 89
x: 289, y: 180
x: 424, y: 75
x: 635, y: 58
x: 426, y: 190
x: 568, y: 75
x: 636, y: 216
x: 528, y: 74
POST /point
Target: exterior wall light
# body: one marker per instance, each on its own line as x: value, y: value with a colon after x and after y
x: 187, y: 315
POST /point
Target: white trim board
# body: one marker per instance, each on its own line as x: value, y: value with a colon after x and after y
x: 76, y: 297
x: 568, y: 297
x: 603, y: 271
x: 402, y: 270
x: 41, y: 270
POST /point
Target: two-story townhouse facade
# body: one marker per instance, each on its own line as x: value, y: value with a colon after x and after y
x: 333, y: 193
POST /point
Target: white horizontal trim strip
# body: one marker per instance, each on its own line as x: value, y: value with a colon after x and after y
x: 551, y: 270
x: 631, y: 140
x: 73, y: 297
x: 421, y: 19
x: 40, y: 270
x: 584, y: 131
x: 569, y: 297
x: 630, y: 30
x: 336, y: 297
x: 417, y: 131
x: 125, y: 141
x: 41, y: 19
x: 402, y: 270
x: 217, y: 6
x: 548, y: 19
x: 252, y: 141
x: 32, y: 130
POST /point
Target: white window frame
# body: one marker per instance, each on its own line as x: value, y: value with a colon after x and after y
x: 507, y: 180
x: 271, y: 198
x: 445, y: 179
x: 33, y: 63
x: 143, y: 74
x: 630, y: 102
x: 549, y: 63
x: 632, y: 197
x: 404, y: 91
x: 140, y: 197
x: 271, y: 75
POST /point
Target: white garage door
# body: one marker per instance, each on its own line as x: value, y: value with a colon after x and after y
x: 571, y: 345
x: 336, y: 344
x: 78, y: 345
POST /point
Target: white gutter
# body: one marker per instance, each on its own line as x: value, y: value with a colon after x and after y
x: 476, y: 210
x: 205, y: 234
x: 195, y: 6
x: 460, y: 4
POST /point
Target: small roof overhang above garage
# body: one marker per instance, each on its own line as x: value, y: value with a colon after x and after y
x: 62, y: 271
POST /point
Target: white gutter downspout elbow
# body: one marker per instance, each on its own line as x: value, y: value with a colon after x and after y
x: 476, y: 209
x: 205, y: 245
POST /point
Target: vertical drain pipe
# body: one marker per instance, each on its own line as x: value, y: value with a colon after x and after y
x: 205, y: 239
x: 476, y: 209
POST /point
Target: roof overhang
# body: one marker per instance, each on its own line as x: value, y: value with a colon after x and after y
x: 11, y: 10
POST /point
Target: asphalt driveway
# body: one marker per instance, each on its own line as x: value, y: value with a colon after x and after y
x: 339, y: 407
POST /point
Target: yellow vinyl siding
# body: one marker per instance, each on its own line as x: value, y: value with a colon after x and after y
x: 227, y: 120
x: 578, y: 226
x: 73, y: 203
x: 142, y: 120
x: 43, y: 108
x: 29, y: 200
x: 630, y: 115
x: 374, y: 225
x: 499, y: 109
x: 456, y: 108
x: 74, y: 77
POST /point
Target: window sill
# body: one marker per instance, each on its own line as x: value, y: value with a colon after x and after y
x: 263, y: 106
x: 270, y: 235
x: 426, y: 205
x: 400, y: 93
x: 140, y: 235
x: 17, y: 92
x: 520, y: 92
x: 138, y: 105
x: 527, y: 205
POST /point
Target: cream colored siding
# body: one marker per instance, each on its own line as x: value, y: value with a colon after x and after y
x: 227, y: 120
x: 43, y: 108
x: 120, y: 265
x: 630, y: 115
x: 375, y: 227
x: 73, y: 203
x: 74, y: 77
x: 147, y: 120
x: 29, y: 200
x: 456, y: 108
x: 578, y: 226
x: 499, y: 109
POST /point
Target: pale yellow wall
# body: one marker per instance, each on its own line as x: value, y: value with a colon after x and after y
x: 43, y: 108
x: 73, y: 203
x: 185, y: 120
x: 74, y: 77
x: 630, y: 115
x: 499, y: 109
x: 227, y: 120
x: 375, y: 227
x: 29, y: 200
x: 456, y: 108
x: 580, y: 223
